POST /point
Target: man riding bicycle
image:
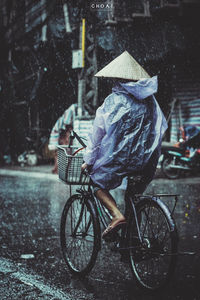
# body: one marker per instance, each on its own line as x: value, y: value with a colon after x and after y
x: 126, y: 135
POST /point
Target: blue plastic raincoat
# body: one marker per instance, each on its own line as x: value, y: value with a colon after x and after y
x: 128, y: 127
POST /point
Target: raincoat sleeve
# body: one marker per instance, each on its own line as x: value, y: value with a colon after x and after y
x: 95, y: 137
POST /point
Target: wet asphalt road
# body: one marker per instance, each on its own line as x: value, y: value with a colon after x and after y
x: 30, y: 210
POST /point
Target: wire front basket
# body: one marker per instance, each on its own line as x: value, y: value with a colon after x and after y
x: 69, y: 165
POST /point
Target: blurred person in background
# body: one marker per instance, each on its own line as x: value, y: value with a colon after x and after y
x: 60, y: 134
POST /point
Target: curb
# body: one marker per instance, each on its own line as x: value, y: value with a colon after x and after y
x: 5, y: 172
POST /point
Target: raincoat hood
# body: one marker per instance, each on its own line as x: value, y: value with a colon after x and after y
x: 141, y: 89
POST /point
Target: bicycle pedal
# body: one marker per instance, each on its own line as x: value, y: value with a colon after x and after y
x: 115, y: 247
x: 112, y: 238
x: 125, y: 258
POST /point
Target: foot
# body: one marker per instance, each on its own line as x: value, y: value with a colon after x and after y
x: 116, y: 220
x: 54, y: 171
x: 112, y: 229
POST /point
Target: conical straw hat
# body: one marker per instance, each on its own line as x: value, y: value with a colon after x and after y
x: 124, y: 67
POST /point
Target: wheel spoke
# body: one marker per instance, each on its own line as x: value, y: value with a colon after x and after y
x: 148, y: 222
x: 144, y: 228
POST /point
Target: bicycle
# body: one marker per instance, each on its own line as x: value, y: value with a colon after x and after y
x: 149, y: 241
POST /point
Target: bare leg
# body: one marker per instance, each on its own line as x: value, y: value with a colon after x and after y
x: 106, y: 198
x: 55, y: 169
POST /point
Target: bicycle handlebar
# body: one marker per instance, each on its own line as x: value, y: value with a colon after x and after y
x: 75, y: 135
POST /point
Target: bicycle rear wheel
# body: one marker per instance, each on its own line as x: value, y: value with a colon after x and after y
x: 80, y: 235
x: 153, y: 261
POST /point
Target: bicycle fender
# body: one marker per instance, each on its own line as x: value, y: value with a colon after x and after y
x: 167, y: 211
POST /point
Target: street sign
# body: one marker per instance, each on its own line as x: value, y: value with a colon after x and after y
x: 77, y: 59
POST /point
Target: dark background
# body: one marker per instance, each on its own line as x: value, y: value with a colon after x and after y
x: 37, y: 82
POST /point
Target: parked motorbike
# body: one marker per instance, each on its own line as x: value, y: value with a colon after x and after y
x: 179, y: 160
x: 34, y: 154
x: 28, y: 157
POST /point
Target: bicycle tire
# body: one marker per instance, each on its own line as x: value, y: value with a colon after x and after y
x: 159, y: 245
x: 80, y: 235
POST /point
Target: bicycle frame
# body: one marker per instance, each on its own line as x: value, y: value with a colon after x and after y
x: 134, y: 213
x: 104, y: 214
x: 130, y: 212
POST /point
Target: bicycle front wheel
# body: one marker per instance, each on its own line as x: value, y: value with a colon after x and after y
x: 153, y: 260
x: 80, y: 235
